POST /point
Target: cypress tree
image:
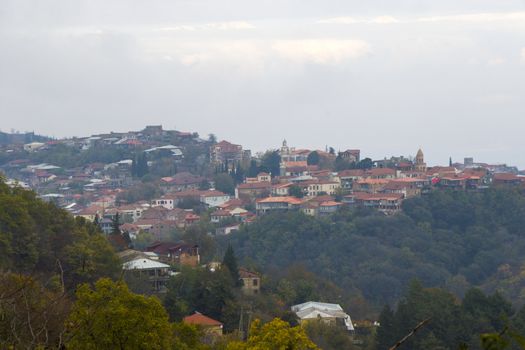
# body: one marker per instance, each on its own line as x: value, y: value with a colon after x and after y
x: 230, y: 261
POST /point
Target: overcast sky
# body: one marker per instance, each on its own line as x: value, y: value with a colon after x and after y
x: 380, y: 75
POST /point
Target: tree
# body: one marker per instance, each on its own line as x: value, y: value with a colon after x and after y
x: 31, y: 315
x: 115, y: 224
x: 111, y: 317
x: 271, y: 162
x: 224, y: 183
x: 139, y: 165
x: 276, y: 334
x: 386, y: 333
x: 230, y: 261
x: 296, y: 191
x: 313, y: 158
x: 253, y: 170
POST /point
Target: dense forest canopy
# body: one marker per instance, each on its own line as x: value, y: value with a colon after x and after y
x: 449, y: 239
x: 39, y: 239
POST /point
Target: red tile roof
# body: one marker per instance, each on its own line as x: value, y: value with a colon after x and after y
x: 201, y: 320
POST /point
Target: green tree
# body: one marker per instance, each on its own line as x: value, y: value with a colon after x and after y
x: 224, y: 183
x: 111, y: 317
x: 313, y: 158
x: 230, y: 262
x: 115, y: 224
x: 276, y: 334
x: 271, y: 162
x: 296, y: 191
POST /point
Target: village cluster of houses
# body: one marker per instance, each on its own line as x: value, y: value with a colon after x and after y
x: 92, y: 190
x: 189, y: 196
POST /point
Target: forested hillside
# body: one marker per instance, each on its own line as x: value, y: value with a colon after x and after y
x: 39, y: 239
x: 449, y: 239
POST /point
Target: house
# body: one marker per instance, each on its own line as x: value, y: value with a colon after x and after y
x: 33, y: 146
x: 207, y: 324
x: 316, y: 188
x: 277, y: 204
x: 387, y: 203
x: 226, y: 152
x: 507, y: 179
x: 329, y: 207
x: 251, y: 282
x: 211, y: 198
x: 351, y: 155
x: 166, y: 201
x: 183, y: 181
x: 332, y: 314
x: 281, y: 189
x: 220, y: 215
x: 226, y: 230
x: 381, y: 173
x: 176, y: 253
x: 249, y: 191
x: 370, y: 185
x: 91, y: 212
x: 156, y: 273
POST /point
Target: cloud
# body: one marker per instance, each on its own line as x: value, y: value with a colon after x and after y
x: 354, y: 20
x: 468, y: 17
x: 523, y: 55
x: 476, y: 17
x: 232, y: 25
x: 327, y: 51
x: 496, y: 61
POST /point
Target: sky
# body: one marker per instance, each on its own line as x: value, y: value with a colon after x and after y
x: 383, y: 76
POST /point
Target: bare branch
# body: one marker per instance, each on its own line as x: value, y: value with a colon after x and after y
x: 417, y: 328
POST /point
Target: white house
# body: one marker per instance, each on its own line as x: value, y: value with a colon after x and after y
x: 155, y: 272
x: 328, y: 313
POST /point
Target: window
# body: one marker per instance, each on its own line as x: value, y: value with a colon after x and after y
x: 255, y: 282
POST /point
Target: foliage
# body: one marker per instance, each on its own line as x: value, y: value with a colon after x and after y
x: 31, y: 315
x: 199, y: 289
x: 296, y: 191
x: 230, y: 262
x: 111, y: 317
x: 40, y: 238
x: 444, y: 239
x: 271, y: 162
x: 329, y: 337
x: 313, y: 158
x: 224, y: 183
x: 275, y: 335
x: 139, y: 166
x: 451, y: 323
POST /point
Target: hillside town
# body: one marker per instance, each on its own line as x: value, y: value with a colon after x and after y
x: 143, y: 188
x: 169, y: 179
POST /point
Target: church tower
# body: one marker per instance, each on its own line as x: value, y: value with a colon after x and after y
x: 420, y: 164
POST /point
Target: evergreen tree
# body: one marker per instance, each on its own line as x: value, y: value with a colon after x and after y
x: 253, y: 170
x: 313, y: 158
x: 115, y: 225
x: 230, y: 261
x: 386, y: 333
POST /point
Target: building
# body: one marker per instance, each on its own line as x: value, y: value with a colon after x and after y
x: 266, y: 205
x: 351, y: 155
x: 419, y: 163
x: 332, y: 314
x: 207, y: 324
x: 226, y: 152
x: 176, y: 253
x: 155, y: 273
x: 251, y: 282
x: 249, y: 191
